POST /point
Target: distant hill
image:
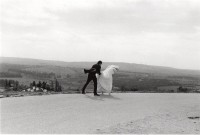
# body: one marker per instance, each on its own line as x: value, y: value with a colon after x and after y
x: 131, y: 77
x: 128, y: 67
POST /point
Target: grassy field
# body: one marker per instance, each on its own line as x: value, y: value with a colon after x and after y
x: 73, y: 78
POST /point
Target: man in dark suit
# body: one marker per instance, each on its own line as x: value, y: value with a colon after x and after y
x: 96, y: 68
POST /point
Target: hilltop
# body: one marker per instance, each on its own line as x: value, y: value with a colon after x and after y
x: 128, y: 67
x: 131, y: 77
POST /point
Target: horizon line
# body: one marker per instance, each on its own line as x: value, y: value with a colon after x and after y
x: 97, y: 60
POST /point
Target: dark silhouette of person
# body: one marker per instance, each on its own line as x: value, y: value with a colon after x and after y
x: 96, y: 69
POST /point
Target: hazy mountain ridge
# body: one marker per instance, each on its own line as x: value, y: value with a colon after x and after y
x: 131, y: 77
x: 130, y: 67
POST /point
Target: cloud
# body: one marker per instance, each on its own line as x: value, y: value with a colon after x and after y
x: 132, y: 17
x: 158, y: 32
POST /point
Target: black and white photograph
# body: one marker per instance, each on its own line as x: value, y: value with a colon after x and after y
x: 100, y: 67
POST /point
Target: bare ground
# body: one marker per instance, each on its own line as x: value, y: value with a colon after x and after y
x: 132, y: 113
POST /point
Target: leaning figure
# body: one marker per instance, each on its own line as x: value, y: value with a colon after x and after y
x: 105, y: 80
x: 96, y: 69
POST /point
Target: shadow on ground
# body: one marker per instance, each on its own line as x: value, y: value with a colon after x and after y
x: 102, y: 97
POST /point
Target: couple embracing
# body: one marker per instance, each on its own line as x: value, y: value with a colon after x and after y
x: 102, y: 80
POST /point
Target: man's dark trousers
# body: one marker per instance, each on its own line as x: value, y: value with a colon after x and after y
x: 91, y: 77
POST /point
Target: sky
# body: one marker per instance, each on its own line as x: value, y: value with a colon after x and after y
x: 152, y: 32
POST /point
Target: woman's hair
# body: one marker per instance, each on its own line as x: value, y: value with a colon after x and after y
x: 99, y: 62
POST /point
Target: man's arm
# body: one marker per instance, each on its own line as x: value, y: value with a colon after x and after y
x: 99, y: 70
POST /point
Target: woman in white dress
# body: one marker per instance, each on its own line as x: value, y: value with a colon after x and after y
x: 105, y: 80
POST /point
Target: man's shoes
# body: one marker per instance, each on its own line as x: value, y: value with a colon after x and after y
x: 96, y: 95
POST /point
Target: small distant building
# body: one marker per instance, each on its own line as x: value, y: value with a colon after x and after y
x: 44, y: 90
x: 116, y: 88
x: 29, y: 89
x: 140, y: 80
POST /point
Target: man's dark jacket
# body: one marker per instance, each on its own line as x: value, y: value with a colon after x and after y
x: 95, y: 69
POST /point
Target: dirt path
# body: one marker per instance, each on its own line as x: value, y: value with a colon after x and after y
x: 118, y: 113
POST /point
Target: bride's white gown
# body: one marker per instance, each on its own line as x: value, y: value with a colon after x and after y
x: 105, y: 80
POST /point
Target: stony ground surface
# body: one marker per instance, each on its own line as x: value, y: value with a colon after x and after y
x: 119, y: 113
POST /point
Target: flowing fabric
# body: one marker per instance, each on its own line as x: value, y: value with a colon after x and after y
x: 105, y: 80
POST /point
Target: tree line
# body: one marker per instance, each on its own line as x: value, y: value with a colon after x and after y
x: 52, y: 85
x: 11, y: 84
